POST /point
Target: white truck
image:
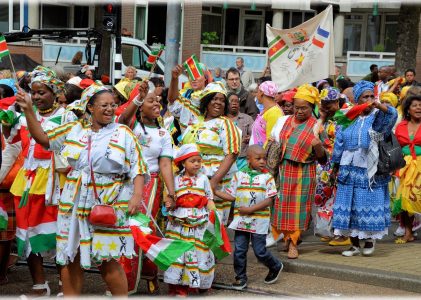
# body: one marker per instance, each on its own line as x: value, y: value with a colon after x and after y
x: 60, y: 45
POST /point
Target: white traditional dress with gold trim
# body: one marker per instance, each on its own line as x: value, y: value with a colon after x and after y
x: 188, y: 222
x: 186, y: 107
x: 116, y: 160
x: 216, y: 139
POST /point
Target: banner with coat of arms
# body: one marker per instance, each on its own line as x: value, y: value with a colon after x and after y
x: 302, y: 54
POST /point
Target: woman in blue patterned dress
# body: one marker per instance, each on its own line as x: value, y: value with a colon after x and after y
x: 361, y: 208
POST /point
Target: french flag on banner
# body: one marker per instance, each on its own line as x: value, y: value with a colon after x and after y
x: 320, y: 37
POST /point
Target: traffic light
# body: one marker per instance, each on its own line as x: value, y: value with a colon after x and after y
x: 109, y: 20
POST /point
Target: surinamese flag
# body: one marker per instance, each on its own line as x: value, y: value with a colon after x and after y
x: 155, y: 54
x: 4, y: 51
x: 302, y: 54
x: 216, y: 237
x: 193, y: 68
x: 346, y: 116
x: 161, y: 251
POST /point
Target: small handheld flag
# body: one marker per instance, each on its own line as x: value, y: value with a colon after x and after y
x: 4, y: 51
x: 347, y: 116
x: 193, y: 68
x: 216, y: 237
x: 154, y: 56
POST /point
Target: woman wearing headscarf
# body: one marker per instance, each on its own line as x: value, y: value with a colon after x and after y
x: 287, y: 101
x: 158, y: 153
x: 37, y: 184
x: 262, y: 126
x: 185, y: 104
x: 325, y: 189
x: 362, y: 204
x: 301, y: 148
x: 218, y: 140
x: 107, y: 168
x: 408, y: 133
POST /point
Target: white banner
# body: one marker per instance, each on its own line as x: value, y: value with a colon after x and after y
x: 302, y: 54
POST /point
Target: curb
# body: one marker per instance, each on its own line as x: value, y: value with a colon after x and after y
x: 394, y: 280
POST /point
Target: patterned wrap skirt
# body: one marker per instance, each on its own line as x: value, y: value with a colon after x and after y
x: 292, y: 208
x: 195, y: 268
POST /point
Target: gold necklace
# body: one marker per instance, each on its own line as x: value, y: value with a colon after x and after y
x: 46, y: 111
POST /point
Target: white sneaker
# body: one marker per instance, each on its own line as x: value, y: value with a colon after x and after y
x: 351, y: 251
x: 400, y: 231
x: 369, y: 251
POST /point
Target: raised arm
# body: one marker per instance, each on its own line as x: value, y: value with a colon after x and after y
x: 173, y: 89
x: 131, y: 109
x: 34, y: 126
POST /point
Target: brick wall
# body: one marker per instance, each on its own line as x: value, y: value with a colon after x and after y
x: 192, y: 28
x: 418, y: 69
x: 127, y: 16
x: 34, y: 52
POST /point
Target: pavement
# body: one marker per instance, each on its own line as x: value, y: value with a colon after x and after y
x: 394, y: 266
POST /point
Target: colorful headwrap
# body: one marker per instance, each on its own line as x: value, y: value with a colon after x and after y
x: 184, y: 152
x: 321, y: 82
x: 48, y: 77
x: 214, y: 87
x: 404, y: 91
x: 308, y: 93
x: 269, y: 88
x: 289, y: 95
x: 9, y: 83
x: 87, y: 94
x: 330, y: 94
x: 389, y: 97
x: 360, y: 87
x: 131, y: 85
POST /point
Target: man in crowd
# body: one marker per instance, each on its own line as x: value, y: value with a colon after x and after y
x: 374, y: 74
x: 247, y: 77
x: 247, y: 104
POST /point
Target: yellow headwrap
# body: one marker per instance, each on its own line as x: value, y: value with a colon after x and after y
x: 308, y: 93
x: 389, y: 97
x: 404, y: 91
x: 214, y: 87
x: 120, y: 86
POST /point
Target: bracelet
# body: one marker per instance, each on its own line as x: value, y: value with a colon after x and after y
x: 137, y: 102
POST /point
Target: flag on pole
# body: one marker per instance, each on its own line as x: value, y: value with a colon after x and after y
x: 347, y: 116
x: 4, y: 51
x: 302, y: 54
x: 161, y: 251
x: 193, y: 68
x: 152, y: 58
x: 216, y: 237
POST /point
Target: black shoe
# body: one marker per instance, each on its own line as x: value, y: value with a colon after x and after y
x: 273, y: 276
x: 239, y: 284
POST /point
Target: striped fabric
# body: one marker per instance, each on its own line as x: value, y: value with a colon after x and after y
x: 291, y: 210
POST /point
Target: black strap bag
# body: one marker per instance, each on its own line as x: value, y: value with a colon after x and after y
x: 390, y: 156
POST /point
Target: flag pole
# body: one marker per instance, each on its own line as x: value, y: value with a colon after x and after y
x: 13, y: 68
x: 155, y: 62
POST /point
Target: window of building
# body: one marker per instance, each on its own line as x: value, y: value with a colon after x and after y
x: 140, y: 29
x: 10, y: 15
x: 70, y: 16
x: 295, y: 18
x: 212, y: 21
x: 365, y: 32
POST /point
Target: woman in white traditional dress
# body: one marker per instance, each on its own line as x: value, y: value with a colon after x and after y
x: 107, y: 168
x: 158, y: 153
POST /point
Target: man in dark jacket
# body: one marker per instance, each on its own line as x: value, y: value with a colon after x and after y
x: 247, y: 103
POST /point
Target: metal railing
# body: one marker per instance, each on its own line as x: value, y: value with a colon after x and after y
x: 358, y: 62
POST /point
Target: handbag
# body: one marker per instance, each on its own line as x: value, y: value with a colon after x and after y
x: 390, y: 156
x: 101, y: 214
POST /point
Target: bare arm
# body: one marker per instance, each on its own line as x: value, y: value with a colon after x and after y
x: 34, y: 126
x: 259, y: 206
x: 165, y: 166
x: 137, y: 198
x: 223, y: 169
x: 223, y: 195
x: 173, y: 89
x: 131, y: 109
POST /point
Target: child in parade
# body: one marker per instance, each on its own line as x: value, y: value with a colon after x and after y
x: 193, y: 271
x: 253, y: 190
